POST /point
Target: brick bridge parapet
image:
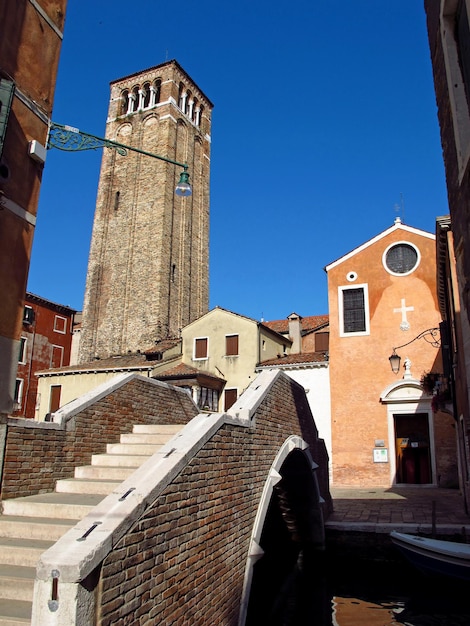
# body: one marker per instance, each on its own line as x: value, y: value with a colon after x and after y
x: 178, y: 542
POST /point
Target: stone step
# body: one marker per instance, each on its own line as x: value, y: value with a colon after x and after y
x: 86, y: 485
x: 132, y: 448
x: 15, y: 612
x: 57, y: 505
x: 16, y: 582
x: 119, y: 460
x: 34, y: 527
x: 29, y: 525
x: 108, y: 472
x: 167, y: 429
x: 24, y: 552
x: 146, y: 438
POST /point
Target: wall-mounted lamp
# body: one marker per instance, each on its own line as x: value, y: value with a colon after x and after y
x: 431, y: 335
x: 71, y: 139
x: 395, y: 360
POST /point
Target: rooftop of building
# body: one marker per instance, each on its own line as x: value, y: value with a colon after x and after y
x: 302, y: 358
x: 309, y: 323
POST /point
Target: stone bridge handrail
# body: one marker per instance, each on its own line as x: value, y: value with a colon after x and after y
x: 110, y: 519
x: 85, y: 545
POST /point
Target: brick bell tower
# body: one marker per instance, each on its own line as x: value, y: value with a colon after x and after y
x: 148, y: 269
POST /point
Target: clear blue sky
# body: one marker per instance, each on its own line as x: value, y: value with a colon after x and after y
x: 324, y: 125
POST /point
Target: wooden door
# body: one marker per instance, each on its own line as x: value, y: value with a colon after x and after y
x: 413, y: 449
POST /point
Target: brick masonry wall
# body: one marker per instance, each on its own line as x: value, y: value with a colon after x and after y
x: 459, y: 204
x: 148, y: 244
x: 458, y: 192
x: 36, y: 455
x: 183, y: 562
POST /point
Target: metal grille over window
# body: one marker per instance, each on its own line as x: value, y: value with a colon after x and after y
x: 401, y: 258
x: 354, y: 310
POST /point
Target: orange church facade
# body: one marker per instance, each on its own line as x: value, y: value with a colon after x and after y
x: 387, y: 428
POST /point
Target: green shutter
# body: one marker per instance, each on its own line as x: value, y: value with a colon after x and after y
x: 7, y: 88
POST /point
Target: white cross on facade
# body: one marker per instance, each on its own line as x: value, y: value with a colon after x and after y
x: 405, y: 325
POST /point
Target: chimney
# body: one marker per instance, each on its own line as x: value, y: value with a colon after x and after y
x: 295, y: 332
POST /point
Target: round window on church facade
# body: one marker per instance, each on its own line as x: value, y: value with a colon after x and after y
x: 401, y: 258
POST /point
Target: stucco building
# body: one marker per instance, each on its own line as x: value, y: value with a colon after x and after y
x: 308, y: 364
x: 46, y: 340
x: 30, y: 42
x: 386, y: 430
x: 148, y: 271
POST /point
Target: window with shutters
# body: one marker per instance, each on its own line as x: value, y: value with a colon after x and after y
x: 201, y: 345
x: 353, y: 310
x: 54, y: 402
x: 231, y: 345
x: 230, y: 397
x: 322, y: 342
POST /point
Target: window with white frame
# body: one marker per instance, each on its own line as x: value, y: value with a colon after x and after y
x: 22, y: 355
x: 353, y: 307
x: 57, y: 356
x: 201, y: 348
x: 208, y: 399
x: 455, y: 35
x: 18, y: 393
x: 28, y: 315
x: 60, y: 324
x: 401, y: 258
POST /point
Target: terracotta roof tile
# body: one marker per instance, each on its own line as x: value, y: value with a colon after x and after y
x: 128, y: 361
x: 184, y: 370
x: 309, y: 323
x: 162, y: 346
x: 295, y: 359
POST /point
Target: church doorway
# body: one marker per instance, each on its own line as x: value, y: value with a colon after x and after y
x: 412, y: 449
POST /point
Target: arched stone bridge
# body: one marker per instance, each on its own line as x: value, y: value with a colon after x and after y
x: 192, y: 534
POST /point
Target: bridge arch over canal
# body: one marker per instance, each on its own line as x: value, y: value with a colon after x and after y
x: 289, y: 522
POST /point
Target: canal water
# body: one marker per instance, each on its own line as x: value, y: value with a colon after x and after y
x: 354, y: 592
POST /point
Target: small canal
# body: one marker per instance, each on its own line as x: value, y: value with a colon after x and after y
x: 331, y: 589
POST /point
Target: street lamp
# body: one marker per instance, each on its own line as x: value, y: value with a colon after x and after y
x: 72, y: 140
x: 431, y: 335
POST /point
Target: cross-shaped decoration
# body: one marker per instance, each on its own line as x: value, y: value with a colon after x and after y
x: 405, y: 325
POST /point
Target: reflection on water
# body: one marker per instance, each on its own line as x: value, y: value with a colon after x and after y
x: 360, y: 593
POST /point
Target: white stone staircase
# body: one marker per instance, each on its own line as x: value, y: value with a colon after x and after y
x: 31, y: 524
